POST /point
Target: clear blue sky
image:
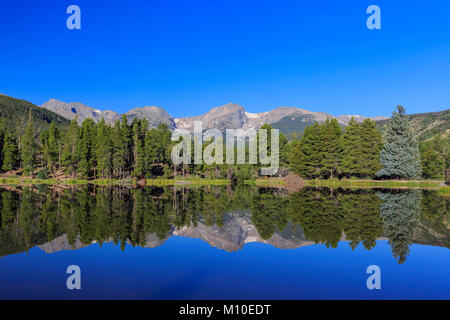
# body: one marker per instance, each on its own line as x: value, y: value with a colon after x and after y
x: 190, y: 56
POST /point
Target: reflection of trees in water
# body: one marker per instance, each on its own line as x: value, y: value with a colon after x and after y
x: 435, y: 219
x: 317, y: 212
x: 268, y: 212
x: 326, y: 215
x: 362, y: 218
x: 400, y: 212
x: 32, y: 216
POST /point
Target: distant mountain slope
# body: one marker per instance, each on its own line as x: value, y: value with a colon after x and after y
x: 426, y: 125
x: 286, y: 119
x: 72, y: 110
x: 154, y: 115
x: 229, y: 116
x: 16, y: 111
x: 298, y: 120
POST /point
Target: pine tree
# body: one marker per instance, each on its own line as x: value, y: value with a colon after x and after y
x: 371, y: 145
x: 104, y: 149
x: 351, y: 150
x: 29, y: 147
x: 435, y: 157
x: 433, y: 164
x: 138, y: 148
x: 70, y: 155
x: 86, y: 144
x: 2, y: 140
x: 127, y: 144
x: 43, y: 148
x: 151, y: 147
x: 330, y: 148
x: 53, y: 147
x: 119, y: 150
x: 10, y: 152
x: 362, y: 145
x: 305, y: 156
x: 400, y: 156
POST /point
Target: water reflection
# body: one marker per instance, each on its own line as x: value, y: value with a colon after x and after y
x: 56, y: 218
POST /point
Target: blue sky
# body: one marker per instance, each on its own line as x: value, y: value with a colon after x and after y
x: 191, y: 56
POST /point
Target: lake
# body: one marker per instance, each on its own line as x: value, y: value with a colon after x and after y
x: 230, y: 242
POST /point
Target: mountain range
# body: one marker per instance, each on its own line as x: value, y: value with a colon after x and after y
x: 232, y: 116
x: 229, y: 116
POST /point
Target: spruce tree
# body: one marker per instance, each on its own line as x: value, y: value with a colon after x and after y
x: 330, y: 148
x: 138, y: 148
x: 151, y: 147
x: 305, y: 156
x: 53, y: 147
x: 43, y: 148
x: 29, y: 147
x: 119, y: 150
x: 2, y: 140
x: 10, y: 152
x: 400, y: 156
x: 86, y: 144
x: 435, y: 157
x: 362, y: 145
x: 127, y: 144
x: 104, y: 149
x: 70, y: 154
x: 371, y: 145
x: 351, y: 150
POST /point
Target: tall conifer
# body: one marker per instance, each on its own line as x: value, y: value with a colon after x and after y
x: 400, y: 156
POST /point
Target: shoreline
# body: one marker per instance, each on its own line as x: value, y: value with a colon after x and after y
x: 113, y: 182
x: 261, y: 182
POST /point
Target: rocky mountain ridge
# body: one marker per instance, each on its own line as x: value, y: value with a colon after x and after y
x: 228, y: 116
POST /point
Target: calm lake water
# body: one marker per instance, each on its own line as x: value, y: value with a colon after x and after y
x: 223, y: 243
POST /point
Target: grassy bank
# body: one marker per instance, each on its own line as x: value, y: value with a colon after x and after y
x: 388, y: 184
x: 445, y: 191
x: 266, y: 182
x: 111, y: 182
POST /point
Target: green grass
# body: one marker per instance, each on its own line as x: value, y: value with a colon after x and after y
x: 388, y: 184
x: 445, y: 191
x: 110, y: 182
x: 187, y: 181
x: 266, y: 182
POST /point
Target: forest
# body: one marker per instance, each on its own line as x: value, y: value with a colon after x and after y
x: 134, y: 150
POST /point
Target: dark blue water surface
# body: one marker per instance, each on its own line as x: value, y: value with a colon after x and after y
x: 185, y: 268
x: 226, y: 259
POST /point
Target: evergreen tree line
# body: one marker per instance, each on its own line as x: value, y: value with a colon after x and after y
x: 123, y: 150
x: 92, y: 150
x: 327, y: 151
x: 435, y: 155
x: 98, y: 150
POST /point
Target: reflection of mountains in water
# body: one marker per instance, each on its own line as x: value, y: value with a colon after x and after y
x: 236, y: 231
x: 226, y: 218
